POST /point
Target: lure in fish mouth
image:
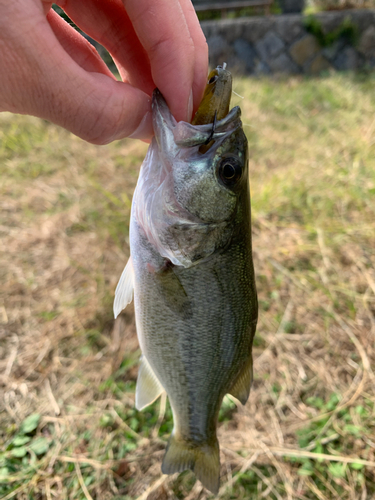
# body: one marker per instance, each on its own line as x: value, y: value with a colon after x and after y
x: 192, y: 276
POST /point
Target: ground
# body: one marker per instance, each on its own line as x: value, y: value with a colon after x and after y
x: 68, y: 427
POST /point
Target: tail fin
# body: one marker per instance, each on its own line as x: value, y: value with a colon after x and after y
x: 203, y: 459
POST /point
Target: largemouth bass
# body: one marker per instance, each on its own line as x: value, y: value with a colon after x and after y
x: 192, y: 274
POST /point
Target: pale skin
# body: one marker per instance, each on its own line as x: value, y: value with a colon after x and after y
x: 48, y: 70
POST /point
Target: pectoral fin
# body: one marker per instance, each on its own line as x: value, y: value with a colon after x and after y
x: 148, y: 386
x: 241, y: 387
x: 124, y: 289
x: 173, y: 292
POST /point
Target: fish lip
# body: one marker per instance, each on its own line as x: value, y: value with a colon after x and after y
x: 158, y: 103
x: 188, y: 135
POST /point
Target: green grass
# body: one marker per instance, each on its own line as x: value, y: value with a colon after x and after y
x: 68, y: 427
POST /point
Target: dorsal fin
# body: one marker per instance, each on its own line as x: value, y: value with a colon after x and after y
x: 124, y: 289
x: 241, y: 387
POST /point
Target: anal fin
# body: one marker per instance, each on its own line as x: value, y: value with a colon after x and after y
x: 241, y: 387
x: 148, y: 386
x: 124, y: 289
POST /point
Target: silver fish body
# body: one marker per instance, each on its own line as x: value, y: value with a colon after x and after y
x: 194, y: 288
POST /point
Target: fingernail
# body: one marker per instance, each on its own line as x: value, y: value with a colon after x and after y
x: 144, y: 129
x: 190, y: 107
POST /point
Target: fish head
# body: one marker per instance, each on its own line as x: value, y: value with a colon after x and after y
x: 208, y: 185
x: 208, y: 163
x: 192, y: 185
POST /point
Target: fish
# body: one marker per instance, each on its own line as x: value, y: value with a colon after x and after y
x: 191, y: 274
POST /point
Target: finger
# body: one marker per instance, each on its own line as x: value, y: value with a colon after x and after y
x: 50, y: 85
x: 78, y: 48
x: 109, y: 24
x: 201, y: 52
x: 163, y: 31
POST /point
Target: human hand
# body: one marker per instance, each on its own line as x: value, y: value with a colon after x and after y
x: 47, y: 69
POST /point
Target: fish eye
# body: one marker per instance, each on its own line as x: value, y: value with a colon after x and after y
x: 212, y: 79
x: 230, y: 171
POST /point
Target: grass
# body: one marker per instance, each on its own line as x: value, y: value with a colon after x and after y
x: 68, y: 427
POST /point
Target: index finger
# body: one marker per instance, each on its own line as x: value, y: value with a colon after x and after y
x: 163, y: 30
x: 201, y: 52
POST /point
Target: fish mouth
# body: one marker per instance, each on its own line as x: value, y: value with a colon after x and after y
x: 187, y: 135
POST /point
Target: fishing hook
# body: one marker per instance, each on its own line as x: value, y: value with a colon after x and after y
x: 210, y: 137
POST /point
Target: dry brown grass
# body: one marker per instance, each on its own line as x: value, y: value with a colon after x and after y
x: 308, y: 430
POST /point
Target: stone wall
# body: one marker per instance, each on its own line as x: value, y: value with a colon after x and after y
x: 281, y: 44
